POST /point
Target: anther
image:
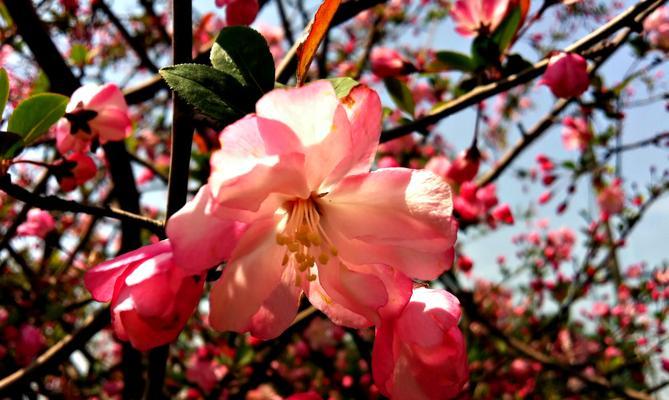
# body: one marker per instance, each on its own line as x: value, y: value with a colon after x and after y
x: 323, y: 258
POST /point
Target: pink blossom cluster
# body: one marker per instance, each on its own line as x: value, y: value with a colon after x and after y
x: 94, y: 115
x: 282, y: 209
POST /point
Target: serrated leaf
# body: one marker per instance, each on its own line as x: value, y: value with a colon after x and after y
x: 505, y: 32
x: 243, y: 53
x: 343, y: 86
x: 451, y: 61
x: 4, y: 90
x: 400, y: 94
x: 214, y: 93
x: 34, y: 116
x: 317, y: 29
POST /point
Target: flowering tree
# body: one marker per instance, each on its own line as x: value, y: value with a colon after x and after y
x: 240, y: 210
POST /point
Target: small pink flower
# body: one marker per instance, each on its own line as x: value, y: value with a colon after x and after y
x: 576, y: 134
x: 387, y: 162
x: 464, y: 167
x: 439, y: 165
x: 94, y: 112
x: 566, y: 75
x: 611, y: 199
x: 502, y: 213
x: 292, y: 207
x: 241, y: 12
x: 473, y: 17
x: 29, y: 344
x: 656, y: 27
x: 204, y: 372
x: 38, y: 223
x: 387, y: 62
x: 151, y: 298
x: 82, y: 170
x: 421, y: 354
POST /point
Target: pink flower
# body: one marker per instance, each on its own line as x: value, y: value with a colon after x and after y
x: 464, y: 167
x: 387, y: 62
x: 439, y: 165
x: 151, y: 298
x: 473, y: 17
x: 81, y: 171
x: 94, y: 113
x: 29, y: 344
x: 291, y: 206
x: 566, y: 75
x: 387, y: 162
x: 611, y: 199
x: 204, y: 372
x: 657, y: 28
x: 502, y: 213
x: 38, y: 223
x: 241, y: 12
x: 576, y: 134
x: 421, y: 354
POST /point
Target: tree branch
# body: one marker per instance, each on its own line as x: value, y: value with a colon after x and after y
x: 53, y: 203
x: 480, y: 93
x: 55, y: 355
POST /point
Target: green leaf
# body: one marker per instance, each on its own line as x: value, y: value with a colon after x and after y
x: 79, y: 54
x: 243, y: 53
x: 451, y: 61
x: 34, y: 116
x: 505, y: 32
x: 4, y: 90
x: 400, y: 94
x: 485, y: 52
x: 343, y: 86
x: 214, y: 93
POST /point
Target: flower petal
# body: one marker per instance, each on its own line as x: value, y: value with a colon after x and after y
x: 324, y: 130
x: 363, y: 108
x: 108, y: 95
x: 278, y: 311
x: 249, y: 279
x: 111, y: 124
x: 258, y: 156
x: 373, y: 291
x: 397, y: 217
x: 200, y: 238
x: 101, y: 279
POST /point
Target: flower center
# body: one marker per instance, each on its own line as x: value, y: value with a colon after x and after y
x: 305, y: 240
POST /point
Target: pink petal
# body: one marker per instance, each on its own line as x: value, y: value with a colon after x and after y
x: 101, y: 279
x: 383, y: 356
x: 324, y: 130
x: 430, y: 313
x: 257, y: 157
x: 373, y: 291
x: 336, y: 312
x: 278, y: 311
x: 395, y: 216
x: 82, y: 96
x: 111, y: 124
x: 66, y: 142
x: 200, y: 238
x: 249, y: 279
x: 108, y: 95
x: 363, y: 108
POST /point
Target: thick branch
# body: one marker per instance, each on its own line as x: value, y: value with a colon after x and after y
x: 53, y: 203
